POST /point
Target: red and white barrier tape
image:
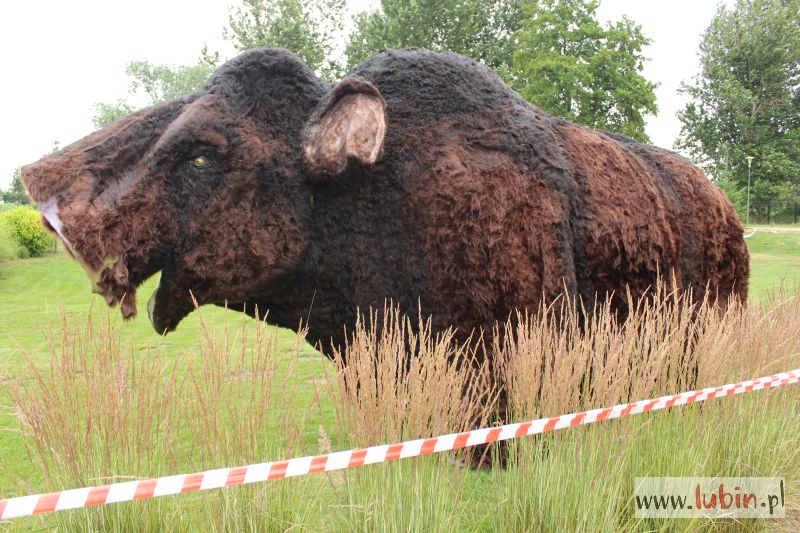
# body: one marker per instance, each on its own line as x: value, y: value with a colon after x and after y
x: 225, y: 477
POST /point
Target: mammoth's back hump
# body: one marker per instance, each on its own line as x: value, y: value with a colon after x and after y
x: 513, y: 203
x: 434, y: 98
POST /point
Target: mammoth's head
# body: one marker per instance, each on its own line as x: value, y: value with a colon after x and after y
x: 214, y: 189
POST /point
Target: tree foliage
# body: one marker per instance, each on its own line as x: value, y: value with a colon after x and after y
x: 481, y: 29
x: 307, y: 28
x: 105, y: 113
x: 164, y: 82
x: 565, y: 61
x: 569, y: 65
x: 156, y: 83
x: 15, y: 194
x: 736, y: 194
x: 746, y: 99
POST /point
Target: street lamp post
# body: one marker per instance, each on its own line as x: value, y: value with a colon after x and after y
x: 749, y: 166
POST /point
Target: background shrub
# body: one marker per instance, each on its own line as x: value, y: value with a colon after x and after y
x: 9, y: 249
x: 25, y: 228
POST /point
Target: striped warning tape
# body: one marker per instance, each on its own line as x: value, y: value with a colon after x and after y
x: 226, y: 477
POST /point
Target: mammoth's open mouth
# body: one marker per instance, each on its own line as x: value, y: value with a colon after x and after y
x: 118, y: 277
x: 114, y: 280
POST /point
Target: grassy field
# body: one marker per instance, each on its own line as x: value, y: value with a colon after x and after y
x: 101, y: 400
x: 774, y: 259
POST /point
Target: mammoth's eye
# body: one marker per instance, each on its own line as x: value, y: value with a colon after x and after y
x: 200, y: 161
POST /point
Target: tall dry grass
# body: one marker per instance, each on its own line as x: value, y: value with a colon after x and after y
x: 561, y: 360
x: 402, y: 381
x: 100, y: 413
x: 397, y: 379
x: 241, y: 389
x: 565, y: 358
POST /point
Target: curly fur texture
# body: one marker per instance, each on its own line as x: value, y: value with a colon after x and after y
x: 480, y: 203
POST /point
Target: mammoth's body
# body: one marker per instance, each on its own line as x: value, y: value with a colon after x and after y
x: 421, y: 178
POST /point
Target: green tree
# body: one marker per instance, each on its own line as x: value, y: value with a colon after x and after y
x: 15, y: 194
x: 164, y: 82
x: 746, y: 99
x: 481, y: 29
x: 105, y: 113
x: 156, y: 82
x: 736, y: 194
x: 307, y: 28
x: 569, y: 65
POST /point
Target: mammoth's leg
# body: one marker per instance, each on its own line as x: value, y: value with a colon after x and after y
x: 557, y: 296
x: 489, y: 405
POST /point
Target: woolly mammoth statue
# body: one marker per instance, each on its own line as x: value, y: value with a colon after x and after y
x: 420, y: 177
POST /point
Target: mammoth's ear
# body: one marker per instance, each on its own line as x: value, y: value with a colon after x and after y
x: 348, y: 124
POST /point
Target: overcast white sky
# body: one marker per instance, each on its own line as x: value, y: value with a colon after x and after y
x: 60, y: 57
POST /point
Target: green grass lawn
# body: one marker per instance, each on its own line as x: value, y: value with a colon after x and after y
x: 774, y: 260
x: 35, y: 292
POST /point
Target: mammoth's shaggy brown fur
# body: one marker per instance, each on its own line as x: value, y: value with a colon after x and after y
x: 421, y: 177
